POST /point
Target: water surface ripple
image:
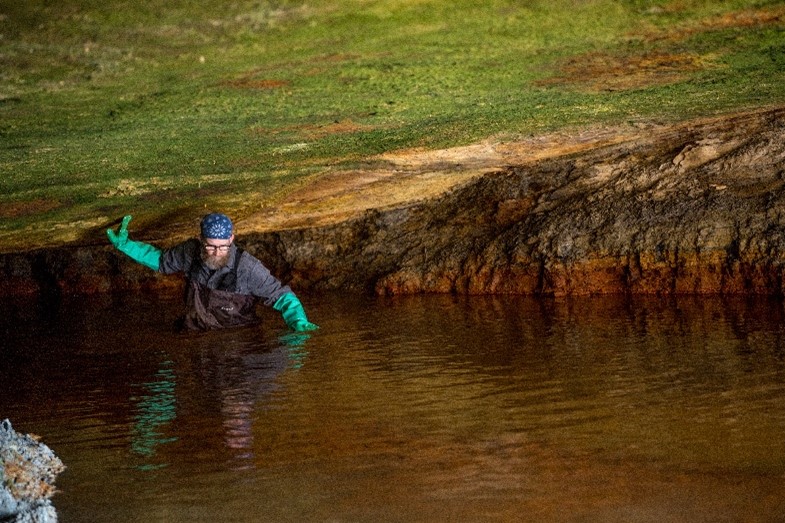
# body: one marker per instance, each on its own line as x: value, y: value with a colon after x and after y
x: 426, y: 408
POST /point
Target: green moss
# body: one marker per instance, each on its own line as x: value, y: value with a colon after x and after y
x: 105, y: 104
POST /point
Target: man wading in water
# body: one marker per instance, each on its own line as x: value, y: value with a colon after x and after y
x: 224, y: 283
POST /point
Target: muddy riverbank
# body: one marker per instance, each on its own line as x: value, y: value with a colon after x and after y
x: 692, y: 208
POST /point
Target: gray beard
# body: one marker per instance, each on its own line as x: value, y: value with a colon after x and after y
x: 215, y: 262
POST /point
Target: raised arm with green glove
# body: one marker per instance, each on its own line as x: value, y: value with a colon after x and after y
x: 293, y: 313
x: 144, y: 253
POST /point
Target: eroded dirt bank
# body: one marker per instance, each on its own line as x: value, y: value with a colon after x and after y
x: 693, y: 208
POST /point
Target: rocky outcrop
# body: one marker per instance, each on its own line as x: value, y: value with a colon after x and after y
x: 694, y: 208
x: 28, y: 469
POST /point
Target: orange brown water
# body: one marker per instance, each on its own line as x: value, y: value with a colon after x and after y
x: 425, y: 408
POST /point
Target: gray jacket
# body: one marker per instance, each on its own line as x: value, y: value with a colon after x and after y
x: 252, y: 277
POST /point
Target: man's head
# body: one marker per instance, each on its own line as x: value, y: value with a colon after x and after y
x: 217, y: 226
x: 217, y: 237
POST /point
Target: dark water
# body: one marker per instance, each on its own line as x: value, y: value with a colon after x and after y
x: 427, y: 408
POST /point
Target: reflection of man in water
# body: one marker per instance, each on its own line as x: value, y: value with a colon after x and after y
x: 225, y: 283
x: 243, y: 378
x: 236, y: 370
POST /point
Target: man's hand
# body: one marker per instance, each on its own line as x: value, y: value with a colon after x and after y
x: 293, y: 313
x: 303, y: 326
x: 143, y: 253
x: 120, y: 238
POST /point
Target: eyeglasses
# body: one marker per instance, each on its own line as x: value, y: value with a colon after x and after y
x: 216, y: 248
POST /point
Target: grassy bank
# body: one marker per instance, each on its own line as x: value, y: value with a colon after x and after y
x: 165, y: 109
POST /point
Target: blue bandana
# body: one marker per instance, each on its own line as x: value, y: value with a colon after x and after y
x: 217, y: 226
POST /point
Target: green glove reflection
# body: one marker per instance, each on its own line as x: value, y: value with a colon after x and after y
x: 293, y: 313
x: 295, y: 346
x: 144, y: 253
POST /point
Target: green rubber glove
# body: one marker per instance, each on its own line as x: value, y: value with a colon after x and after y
x: 143, y: 253
x: 293, y: 313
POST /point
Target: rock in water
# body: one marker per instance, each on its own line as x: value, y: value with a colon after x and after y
x: 28, y: 469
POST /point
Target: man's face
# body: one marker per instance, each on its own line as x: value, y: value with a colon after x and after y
x: 215, y: 253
